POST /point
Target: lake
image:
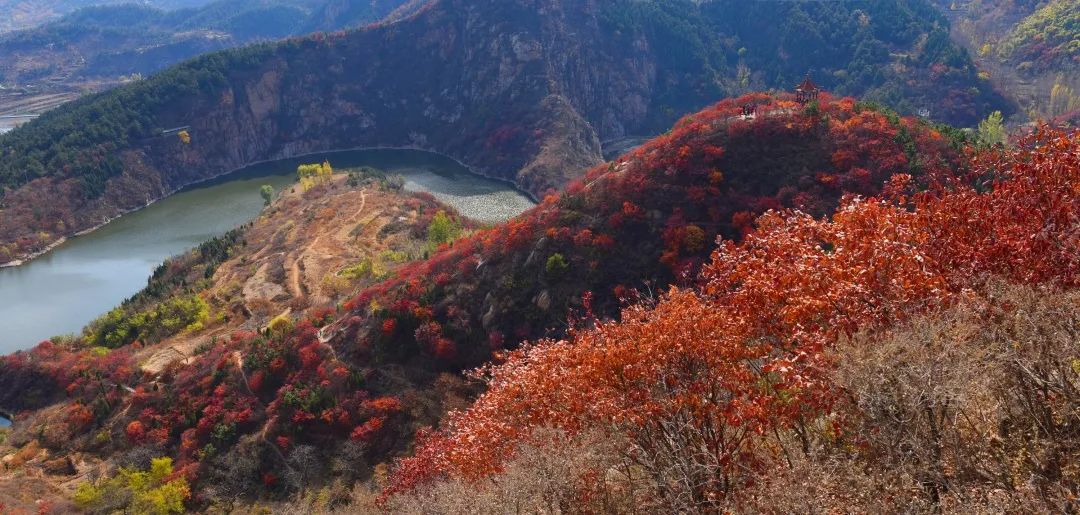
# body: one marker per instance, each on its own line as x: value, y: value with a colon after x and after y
x: 62, y: 291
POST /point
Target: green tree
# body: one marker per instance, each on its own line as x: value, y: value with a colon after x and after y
x: 267, y: 192
x: 992, y: 130
x: 87, y: 496
x: 148, y: 492
x: 442, y: 229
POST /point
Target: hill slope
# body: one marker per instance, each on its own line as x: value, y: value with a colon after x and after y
x: 902, y: 356
x: 25, y: 14
x: 331, y: 395
x: 1046, y: 39
x: 1027, y: 47
x: 106, y: 42
x: 522, y: 90
x: 644, y: 221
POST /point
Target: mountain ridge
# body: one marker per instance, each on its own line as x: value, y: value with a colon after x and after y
x: 101, y: 43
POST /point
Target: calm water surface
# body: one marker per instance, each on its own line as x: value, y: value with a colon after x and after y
x: 62, y: 291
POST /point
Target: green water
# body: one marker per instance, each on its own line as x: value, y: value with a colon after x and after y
x: 62, y: 291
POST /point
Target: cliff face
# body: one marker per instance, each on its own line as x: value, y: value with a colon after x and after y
x: 502, y: 86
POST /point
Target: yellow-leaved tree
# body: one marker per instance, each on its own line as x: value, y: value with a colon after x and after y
x: 148, y: 491
x: 314, y: 174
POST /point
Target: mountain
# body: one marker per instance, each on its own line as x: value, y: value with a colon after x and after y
x: 525, y: 90
x: 24, y: 14
x: 645, y: 221
x: 1027, y: 49
x: 1044, y: 48
x: 103, y: 43
x: 898, y: 357
x: 259, y: 403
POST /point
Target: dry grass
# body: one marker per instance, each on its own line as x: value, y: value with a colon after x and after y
x: 976, y: 409
x: 294, y: 252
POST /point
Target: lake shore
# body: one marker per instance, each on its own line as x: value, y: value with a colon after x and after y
x: 23, y: 259
x: 83, y: 278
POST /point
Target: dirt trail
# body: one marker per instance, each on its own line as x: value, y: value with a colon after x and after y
x: 314, y: 246
x: 180, y: 348
x: 287, y: 252
x: 296, y: 290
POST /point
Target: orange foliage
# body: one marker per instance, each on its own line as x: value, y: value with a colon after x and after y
x: 135, y: 431
x: 651, y: 214
x: 743, y: 355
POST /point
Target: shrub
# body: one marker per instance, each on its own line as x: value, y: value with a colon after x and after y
x: 716, y: 386
x: 149, y: 492
x: 556, y: 265
x: 120, y: 327
x: 280, y: 326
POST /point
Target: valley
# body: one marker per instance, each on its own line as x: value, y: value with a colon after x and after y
x: 67, y: 288
x: 542, y: 93
x: 17, y: 108
x: 24, y: 14
x: 341, y: 268
x: 106, y: 44
x: 21, y: 104
x: 431, y: 257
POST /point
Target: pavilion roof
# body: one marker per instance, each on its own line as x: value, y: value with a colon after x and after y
x: 807, y: 85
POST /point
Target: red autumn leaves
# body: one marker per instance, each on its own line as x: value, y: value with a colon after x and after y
x: 743, y: 355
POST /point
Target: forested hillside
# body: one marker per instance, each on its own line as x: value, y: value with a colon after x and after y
x: 326, y: 393
x: 24, y: 14
x: 898, y: 53
x: 108, y: 42
x: 522, y: 90
x: 1028, y: 48
x: 1048, y: 39
x: 913, y: 354
x: 644, y: 221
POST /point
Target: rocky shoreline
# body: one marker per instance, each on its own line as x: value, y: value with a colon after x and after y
x: 26, y: 258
